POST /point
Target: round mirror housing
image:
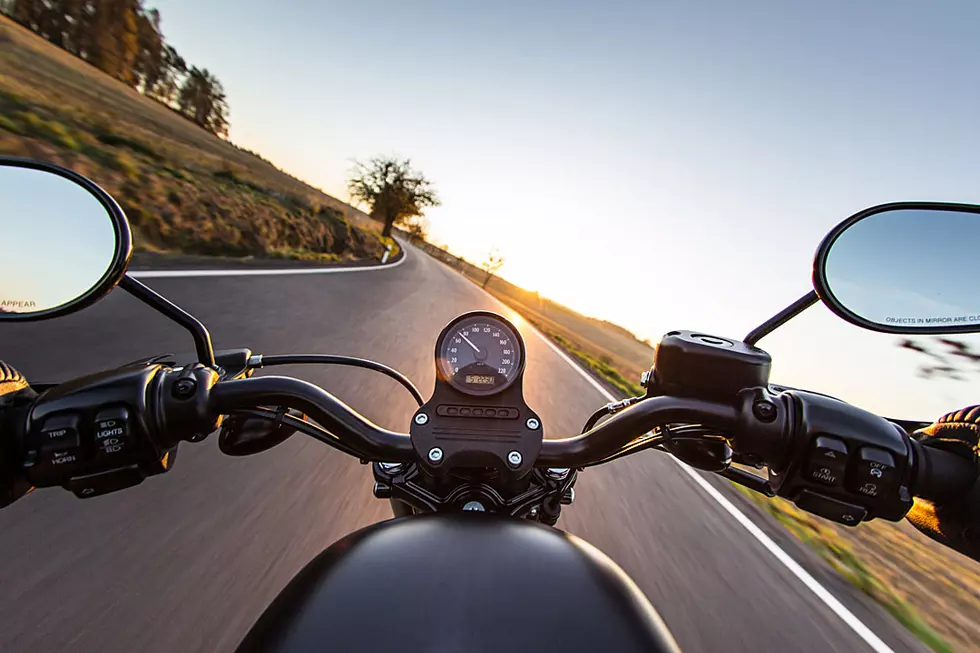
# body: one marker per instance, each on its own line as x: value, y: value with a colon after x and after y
x: 909, y: 268
x: 66, y: 242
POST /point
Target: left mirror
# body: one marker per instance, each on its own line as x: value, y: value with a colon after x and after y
x: 65, y: 241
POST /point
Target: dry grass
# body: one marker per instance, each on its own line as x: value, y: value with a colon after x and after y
x: 931, y: 590
x: 182, y: 188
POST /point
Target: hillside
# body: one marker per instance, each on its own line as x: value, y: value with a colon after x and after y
x: 183, y: 189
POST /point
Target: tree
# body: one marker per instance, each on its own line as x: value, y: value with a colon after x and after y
x: 150, y: 61
x: 201, y: 100
x: 394, y: 191
x: 955, y: 363
x: 173, y: 68
x: 124, y: 40
x: 111, y: 40
x: 491, y: 265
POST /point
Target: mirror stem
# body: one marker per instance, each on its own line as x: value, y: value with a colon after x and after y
x: 202, y: 339
x: 781, y: 318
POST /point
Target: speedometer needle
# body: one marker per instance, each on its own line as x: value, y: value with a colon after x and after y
x: 469, y: 342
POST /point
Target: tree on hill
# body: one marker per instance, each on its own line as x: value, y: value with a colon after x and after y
x: 394, y: 191
x: 123, y: 39
x: 150, y: 62
x: 165, y: 83
x: 201, y: 100
x: 112, y: 38
x: 492, y: 265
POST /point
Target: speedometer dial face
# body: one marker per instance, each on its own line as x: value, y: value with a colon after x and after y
x: 480, y: 354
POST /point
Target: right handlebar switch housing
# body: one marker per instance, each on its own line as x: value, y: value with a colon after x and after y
x: 848, y: 465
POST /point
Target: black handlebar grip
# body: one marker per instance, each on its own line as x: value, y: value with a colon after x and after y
x: 941, y: 474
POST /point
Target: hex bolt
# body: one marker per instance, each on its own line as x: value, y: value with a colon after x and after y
x: 514, y: 458
x: 765, y: 411
x: 533, y: 424
x: 435, y: 455
x: 184, y: 388
x: 421, y: 419
x: 391, y: 468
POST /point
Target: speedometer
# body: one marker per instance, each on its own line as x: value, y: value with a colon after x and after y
x: 480, y: 353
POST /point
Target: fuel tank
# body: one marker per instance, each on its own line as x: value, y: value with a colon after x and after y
x: 467, y: 582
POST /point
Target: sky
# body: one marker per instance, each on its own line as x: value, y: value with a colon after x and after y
x: 661, y: 165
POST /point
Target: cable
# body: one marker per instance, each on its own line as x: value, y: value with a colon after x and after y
x: 349, y: 361
x: 596, y: 416
x: 609, y: 409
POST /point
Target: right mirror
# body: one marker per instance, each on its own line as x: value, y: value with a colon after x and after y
x: 904, y: 268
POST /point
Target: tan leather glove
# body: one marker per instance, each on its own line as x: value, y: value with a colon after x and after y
x: 956, y: 521
x: 16, y: 398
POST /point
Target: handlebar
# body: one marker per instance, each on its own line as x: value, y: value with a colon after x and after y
x: 941, y: 474
x: 829, y: 457
x: 369, y: 439
x: 610, y: 436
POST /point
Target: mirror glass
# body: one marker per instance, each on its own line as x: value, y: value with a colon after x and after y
x: 60, y: 243
x: 905, y: 270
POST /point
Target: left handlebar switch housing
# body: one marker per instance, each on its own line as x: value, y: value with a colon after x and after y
x: 111, y: 430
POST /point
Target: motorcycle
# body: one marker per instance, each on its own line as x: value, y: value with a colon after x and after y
x: 475, y: 488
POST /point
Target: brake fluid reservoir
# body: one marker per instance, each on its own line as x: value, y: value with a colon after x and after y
x: 692, y: 363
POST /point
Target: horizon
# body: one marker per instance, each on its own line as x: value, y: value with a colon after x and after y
x: 687, y: 159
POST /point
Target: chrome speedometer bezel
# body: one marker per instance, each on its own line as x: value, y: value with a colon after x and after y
x: 455, y: 325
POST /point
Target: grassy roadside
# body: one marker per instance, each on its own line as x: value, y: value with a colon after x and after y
x: 602, y: 369
x: 849, y: 559
x: 933, y: 592
x: 183, y: 189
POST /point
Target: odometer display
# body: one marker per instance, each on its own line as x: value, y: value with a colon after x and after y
x: 480, y: 354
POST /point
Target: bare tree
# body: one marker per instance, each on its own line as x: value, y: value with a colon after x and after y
x: 491, y: 265
x: 952, y: 359
x: 394, y: 191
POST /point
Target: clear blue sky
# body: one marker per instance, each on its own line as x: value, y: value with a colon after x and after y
x: 687, y: 156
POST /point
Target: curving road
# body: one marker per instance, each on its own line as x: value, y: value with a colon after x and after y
x: 187, y: 561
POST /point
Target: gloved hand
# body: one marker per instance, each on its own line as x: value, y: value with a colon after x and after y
x: 954, y: 522
x: 16, y: 398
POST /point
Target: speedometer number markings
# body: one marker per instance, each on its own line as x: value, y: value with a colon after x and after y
x: 480, y: 355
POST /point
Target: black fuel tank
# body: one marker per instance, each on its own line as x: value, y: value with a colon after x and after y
x: 459, y: 583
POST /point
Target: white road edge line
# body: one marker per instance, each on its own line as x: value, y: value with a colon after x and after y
x: 794, y: 568
x: 247, y: 272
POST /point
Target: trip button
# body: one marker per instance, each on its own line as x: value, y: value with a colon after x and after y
x: 873, y: 474
x: 838, y: 511
x: 111, y: 428
x: 827, y: 462
x: 59, y: 432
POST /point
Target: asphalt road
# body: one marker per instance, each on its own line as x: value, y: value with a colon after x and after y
x: 187, y: 561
